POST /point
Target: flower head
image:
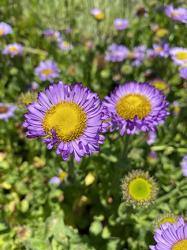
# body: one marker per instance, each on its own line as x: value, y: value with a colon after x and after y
x: 69, y: 118
x: 171, y: 236
x: 177, y: 14
x: 98, y: 14
x: 183, y: 72
x: 166, y: 219
x: 120, y: 23
x: 184, y: 165
x: 55, y: 180
x: 151, y: 137
x: 135, y: 107
x: 52, y: 34
x: 179, y: 55
x: 47, y: 70
x: 159, y: 50
x: 138, y: 55
x: 13, y: 49
x: 116, y: 53
x: 6, y: 111
x: 139, y: 189
x: 5, y: 29
x: 64, y: 45
x: 160, y: 85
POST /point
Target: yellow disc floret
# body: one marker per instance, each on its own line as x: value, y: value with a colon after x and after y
x: 133, y: 105
x: 68, y: 119
x: 47, y: 72
x: 180, y: 245
x: 182, y: 55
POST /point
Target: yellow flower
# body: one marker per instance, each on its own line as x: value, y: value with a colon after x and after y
x: 161, y: 32
x: 89, y: 179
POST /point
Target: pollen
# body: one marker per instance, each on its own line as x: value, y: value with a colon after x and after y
x: 133, y: 105
x: 13, y: 49
x: 47, y: 72
x: 180, y: 245
x: 68, y: 119
x: 182, y: 55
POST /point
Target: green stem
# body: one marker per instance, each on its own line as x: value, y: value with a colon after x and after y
x: 71, y: 169
x: 35, y: 51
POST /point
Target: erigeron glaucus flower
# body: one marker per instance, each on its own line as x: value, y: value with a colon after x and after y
x: 14, y: 49
x: 5, y: 29
x: 6, y: 111
x: 159, y: 50
x: 70, y: 118
x: 98, y: 14
x: 52, y: 34
x: 138, y: 55
x: 139, y: 189
x: 171, y: 237
x: 151, y: 137
x: 184, y: 165
x: 160, y: 85
x: 116, y: 53
x: 64, y: 45
x: 165, y: 219
x: 47, y: 70
x: 177, y: 14
x: 55, y: 180
x: 121, y: 24
x: 135, y: 107
x: 183, y: 72
x: 179, y: 55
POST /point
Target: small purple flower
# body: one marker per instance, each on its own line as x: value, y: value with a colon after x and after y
x: 55, y: 180
x: 135, y: 107
x: 121, y: 24
x: 97, y: 13
x: 116, y: 53
x: 151, y: 137
x: 54, y: 34
x: 6, y: 111
x: 183, y: 73
x: 138, y: 55
x: 159, y: 50
x: 177, y: 14
x: 5, y: 29
x: 47, y: 70
x: 14, y: 49
x: 184, y: 165
x: 69, y: 118
x: 64, y: 45
x: 179, y: 55
x: 171, y: 236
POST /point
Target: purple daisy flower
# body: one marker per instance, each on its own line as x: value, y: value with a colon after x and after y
x: 177, y: 14
x: 64, y: 45
x: 47, y: 70
x: 14, y: 49
x: 5, y: 29
x: 159, y: 50
x: 183, y: 73
x: 69, y: 118
x: 151, y: 137
x: 121, y: 24
x: 179, y: 55
x: 6, y: 111
x: 171, y: 236
x: 52, y: 34
x: 135, y: 107
x: 55, y: 180
x: 116, y: 53
x: 184, y: 165
x: 138, y: 55
x: 97, y: 13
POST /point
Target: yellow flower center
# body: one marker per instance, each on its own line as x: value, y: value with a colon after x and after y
x: 140, y: 189
x: 62, y: 175
x: 68, y: 119
x: 1, y: 32
x: 182, y: 55
x: 159, y: 85
x: 159, y: 49
x: 167, y: 220
x: 161, y: 32
x: 180, y: 245
x: 175, y: 13
x: 47, y: 72
x: 133, y: 105
x: 66, y: 44
x: 3, y: 110
x: 100, y: 16
x: 13, y: 49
